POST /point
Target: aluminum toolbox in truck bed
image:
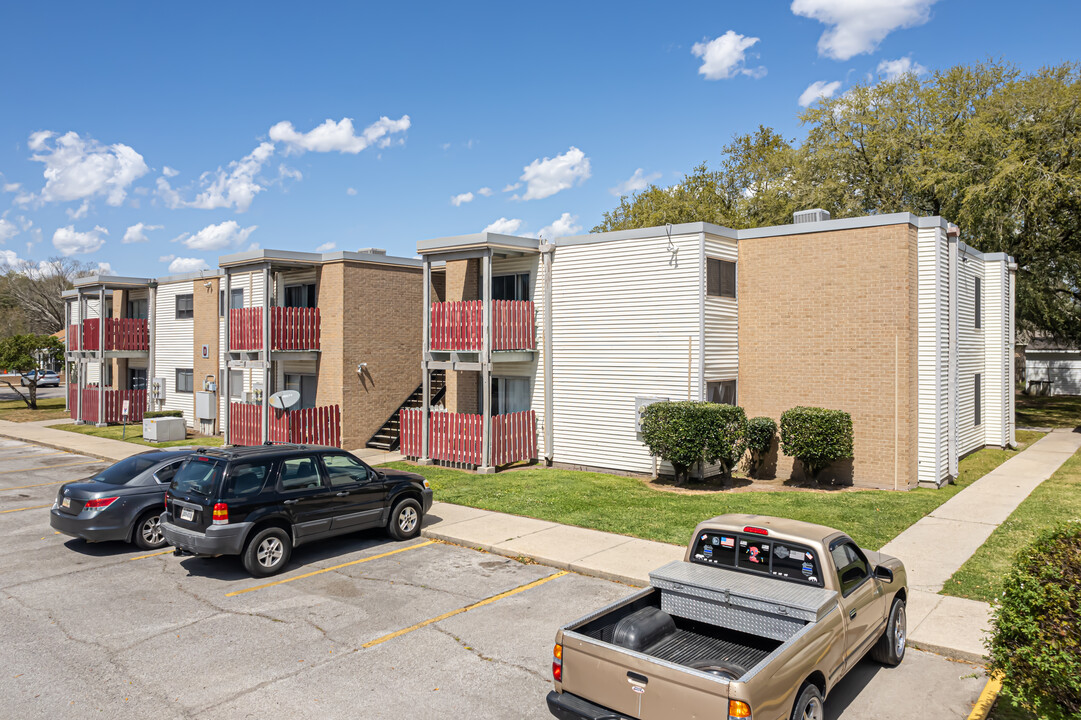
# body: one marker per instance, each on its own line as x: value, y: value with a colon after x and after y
x: 760, y: 605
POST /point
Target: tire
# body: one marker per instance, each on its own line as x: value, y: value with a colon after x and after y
x: 147, y: 534
x: 890, y: 648
x: 721, y: 668
x: 267, y: 552
x: 809, y: 705
x: 405, y: 520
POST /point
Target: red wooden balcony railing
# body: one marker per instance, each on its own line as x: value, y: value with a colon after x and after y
x: 114, y: 404
x: 290, y: 328
x: 514, y: 437
x: 74, y: 338
x: 127, y: 334
x: 458, y: 437
x: 311, y: 426
x: 91, y: 339
x: 459, y: 325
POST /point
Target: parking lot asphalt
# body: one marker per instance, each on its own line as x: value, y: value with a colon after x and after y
x: 7, y: 393
x: 358, y: 626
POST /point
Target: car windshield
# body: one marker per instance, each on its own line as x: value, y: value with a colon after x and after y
x: 125, y: 470
x: 199, y: 476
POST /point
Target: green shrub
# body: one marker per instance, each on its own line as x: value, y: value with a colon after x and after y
x: 163, y: 413
x: 1036, y: 630
x: 685, y: 433
x: 760, y: 433
x: 817, y: 437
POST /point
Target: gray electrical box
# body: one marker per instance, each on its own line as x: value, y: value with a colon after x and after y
x: 206, y: 405
x: 640, y: 403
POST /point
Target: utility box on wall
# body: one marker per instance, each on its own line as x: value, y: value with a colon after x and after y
x: 206, y: 405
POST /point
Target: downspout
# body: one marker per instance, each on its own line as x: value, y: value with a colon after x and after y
x: 547, y: 250
x: 426, y: 379
x: 953, y: 418
x: 152, y: 326
x: 225, y: 384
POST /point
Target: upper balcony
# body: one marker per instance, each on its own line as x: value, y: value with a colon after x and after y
x: 291, y: 328
x: 121, y: 335
x: 459, y: 326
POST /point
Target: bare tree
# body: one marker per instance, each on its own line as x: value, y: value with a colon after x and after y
x: 36, y: 289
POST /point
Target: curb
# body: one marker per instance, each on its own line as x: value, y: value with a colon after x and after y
x: 986, y: 700
x: 58, y: 446
x: 948, y: 652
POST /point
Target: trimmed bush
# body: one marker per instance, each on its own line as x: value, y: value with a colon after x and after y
x: 1036, y: 629
x: 685, y: 433
x: 760, y: 432
x: 162, y: 413
x: 817, y: 437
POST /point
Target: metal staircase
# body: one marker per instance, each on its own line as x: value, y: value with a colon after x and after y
x: 388, y: 437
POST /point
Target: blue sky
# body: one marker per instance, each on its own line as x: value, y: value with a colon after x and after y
x: 156, y: 137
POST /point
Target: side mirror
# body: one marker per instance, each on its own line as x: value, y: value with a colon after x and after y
x: 884, y: 573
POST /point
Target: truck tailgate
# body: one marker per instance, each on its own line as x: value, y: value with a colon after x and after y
x: 639, y: 686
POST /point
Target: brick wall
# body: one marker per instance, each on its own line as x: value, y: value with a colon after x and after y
x: 205, y: 324
x: 821, y: 316
x: 463, y: 283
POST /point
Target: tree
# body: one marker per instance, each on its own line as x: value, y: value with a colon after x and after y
x: 23, y: 353
x: 36, y: 290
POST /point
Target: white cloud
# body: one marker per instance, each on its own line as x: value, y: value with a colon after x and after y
x: 858, y: 26
x: 12, y: 187
x: 284, y: 171
x: 326, y: 247
x: 105, y: 268
x: 724, y: 57
x: 8, y: 259
x: 8, y: 230
x: 339, y: 136
x: 137, y: 232
x: 350, y: 191
x: 167, y: 258
x: 461, y: 198
x: 217, y: 237
x: 70, y: 242
x: 817, y: 90
x: 893, y: 69
x: 567, y: 224
x: 511, y: 187
x: 236, y: 187
x: 187, y: 265
x: 638, y: 181
x: 544, y: 178
x: 169, y: 172
x: 81, y: 212
x: 485, y: 191
x: 23, y: 199
x: 76, y: 169
x: 504, y: 226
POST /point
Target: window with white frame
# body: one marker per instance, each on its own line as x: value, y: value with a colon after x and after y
x: 510, y: 395
x: 723, y: 391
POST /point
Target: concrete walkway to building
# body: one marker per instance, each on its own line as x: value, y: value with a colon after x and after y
x: 39, y: 434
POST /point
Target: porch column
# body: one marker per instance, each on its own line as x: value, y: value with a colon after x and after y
x: 80, y: 373
x: 224, y: 384
x: 486, y: 364
x: 101, y: 356
x: 152, y: 328
x: 549, y: 412
x: 426, y: 376
x: 266, y: 353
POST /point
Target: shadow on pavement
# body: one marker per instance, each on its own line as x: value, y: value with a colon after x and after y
x: 850, y: 687
x: 109, y: 548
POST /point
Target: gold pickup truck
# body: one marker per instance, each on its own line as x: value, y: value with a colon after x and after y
x: 761, y: 619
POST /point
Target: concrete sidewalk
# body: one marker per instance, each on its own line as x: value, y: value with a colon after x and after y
x: 39, y: 434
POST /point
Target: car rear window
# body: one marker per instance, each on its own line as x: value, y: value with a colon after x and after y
x: 198, y: 476
x: 751, y: 553
x: 125, y: 470
x: 246, y: 479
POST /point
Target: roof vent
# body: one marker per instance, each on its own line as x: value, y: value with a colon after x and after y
x: 807, y: 216
x: 372, y: 251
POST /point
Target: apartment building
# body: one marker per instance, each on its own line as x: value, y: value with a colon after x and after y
x: 340, y: 328
x: 550, y: 349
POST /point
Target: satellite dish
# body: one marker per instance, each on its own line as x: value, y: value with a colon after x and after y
x: 284, y: 400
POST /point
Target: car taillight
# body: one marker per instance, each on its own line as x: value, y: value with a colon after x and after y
x: 738, y: 709
x: 221, y: 514
x: 557, y: 663
x: 99, y: 503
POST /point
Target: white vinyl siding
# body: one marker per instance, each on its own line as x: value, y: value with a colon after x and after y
x: 1061, y: 367
x: 626, y: 323
x: 932, y: 343
x: 252, y: 285
x: 721, y: 320
x: 970, y: 355
x: 173, y: 347
x: 998, y: 353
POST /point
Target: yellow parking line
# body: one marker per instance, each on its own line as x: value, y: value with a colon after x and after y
x: 143, y: 557
x: 467, y: 608
x: 23, y: 487
x: 336, y: 567
x: 50, y: 467
x: 987, y: 699
x: 32, y: 507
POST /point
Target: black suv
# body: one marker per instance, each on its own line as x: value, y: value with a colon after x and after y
x: 262, y: 501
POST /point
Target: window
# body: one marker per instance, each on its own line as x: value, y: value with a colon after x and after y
x: 509, y: 395
x: 510, y: 287
x: 723, y: 391
x: 978, y: 304
x: 246, y: 479
x: 306, y: 385
x: 185, y: 381
x: 976, y: 390
x: 236, y: 300
x: 300, y: 296
x: 138, y: 309
x: 136, y: 378
x: 236, y: 384
x: 185, y: 307
x: 720, y: 278
x: 165, y: 473
x: 344, y: 470
x: 300, y: 473
x: 852, y: 568
x: 199, y: 475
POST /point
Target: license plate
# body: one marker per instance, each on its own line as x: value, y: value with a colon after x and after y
x: 187, y: 514
x: 66, y: 503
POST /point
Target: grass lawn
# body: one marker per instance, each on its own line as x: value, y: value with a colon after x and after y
x: 1049, y: 411
x: 628, y: 506
x: 48, y: 409
x: 135, y: 435
x: 1056, y: 500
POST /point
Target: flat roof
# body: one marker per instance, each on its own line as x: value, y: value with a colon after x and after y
x: 111, y: 281
x: 251, y: 257
x: 478, y: 240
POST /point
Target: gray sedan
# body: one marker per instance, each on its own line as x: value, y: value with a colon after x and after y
x: 122, y: 502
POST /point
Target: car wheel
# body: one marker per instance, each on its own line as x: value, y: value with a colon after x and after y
x: 405, y: 520
x: 148, y: 534
x: 268, y: 552
x: 890, y: 648
x: 810, y: 705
